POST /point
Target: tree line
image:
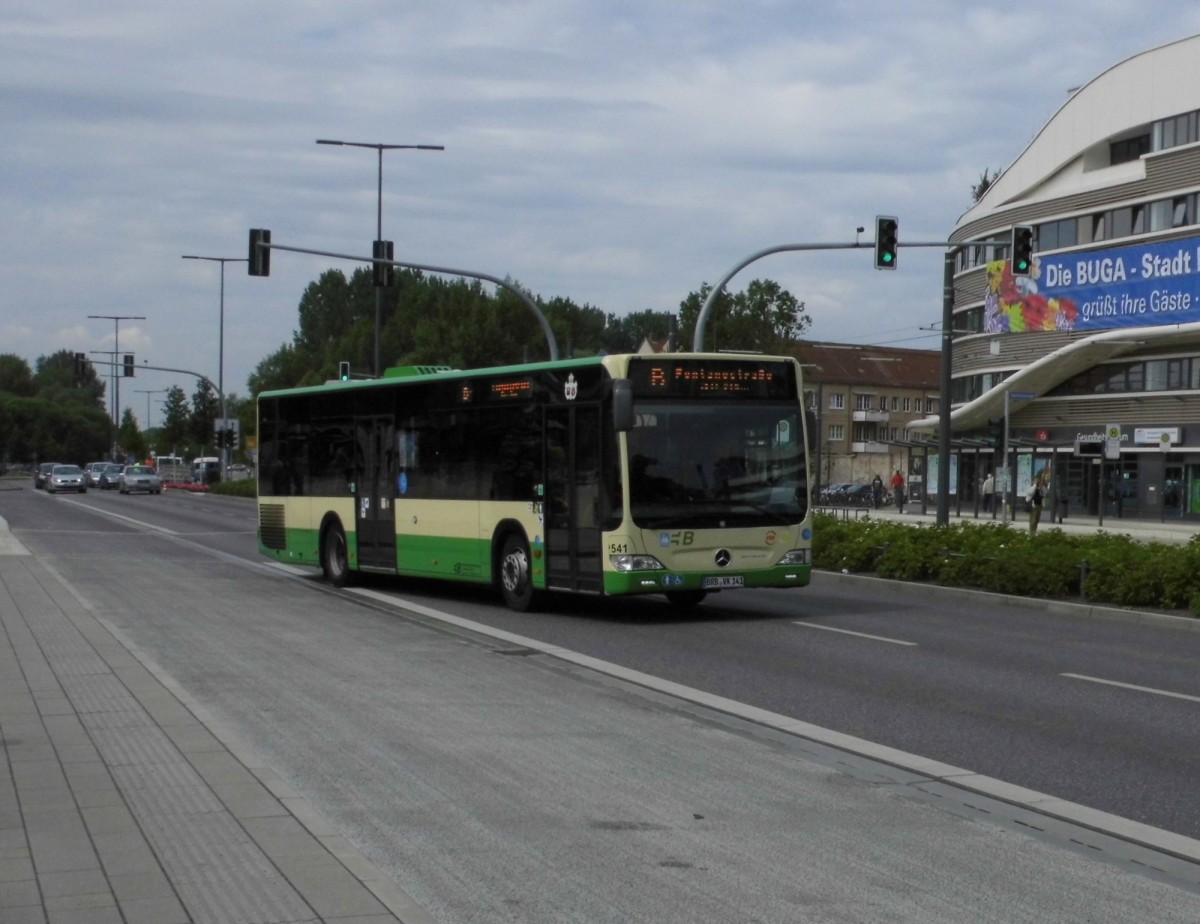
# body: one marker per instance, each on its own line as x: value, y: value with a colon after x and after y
x: 428, y: 319
x: 59, y: 412
x: 54, y: 413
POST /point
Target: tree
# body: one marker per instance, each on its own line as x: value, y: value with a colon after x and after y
x: 979, y: 190
x: 130, y: 437
x: 205, y: 409
x: 764, y: 318
x: 16, y: 378
x: 626, y: 334
x: 176, y: 421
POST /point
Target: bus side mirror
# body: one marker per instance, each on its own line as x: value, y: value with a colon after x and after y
x: 622, y: 406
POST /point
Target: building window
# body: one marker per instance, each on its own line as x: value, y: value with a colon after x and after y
x: 864, y: 402
x: 895, y: 402
x: 1182, y: 210
x: 882, y: 403
x: 837, y: 432
x: 1120, y: 222
x: 907, y: 404
x: 1129, y: 149
x: 837, y: 401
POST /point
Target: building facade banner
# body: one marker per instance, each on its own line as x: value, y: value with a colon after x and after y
x: 1136, y: 286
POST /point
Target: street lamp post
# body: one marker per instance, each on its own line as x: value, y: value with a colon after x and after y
x: 221, y: 349
x: 379, y: 149
x: 117, y: 319
x: 148, y: 392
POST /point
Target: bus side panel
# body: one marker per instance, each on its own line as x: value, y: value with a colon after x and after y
x: 440, y: 538
x: 289, y: 527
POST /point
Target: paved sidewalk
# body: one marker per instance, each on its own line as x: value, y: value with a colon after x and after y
x: 120, y: 802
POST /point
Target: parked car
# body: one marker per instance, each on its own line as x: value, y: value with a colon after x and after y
x: 139, y: 478
x: 66, y: 478
x: 109, y: 476
x: 42, y: 472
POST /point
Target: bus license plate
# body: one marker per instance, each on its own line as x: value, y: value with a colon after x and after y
x: 724, y: 580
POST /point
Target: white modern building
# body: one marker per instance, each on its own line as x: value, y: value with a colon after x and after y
x: 1095, y: 355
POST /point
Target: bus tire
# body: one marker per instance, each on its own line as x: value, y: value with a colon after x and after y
x: 686, y: 598
x: 335, y: 561
x: 516, y: 583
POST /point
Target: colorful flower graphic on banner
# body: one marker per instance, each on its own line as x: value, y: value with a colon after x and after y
x: 1013, y: 303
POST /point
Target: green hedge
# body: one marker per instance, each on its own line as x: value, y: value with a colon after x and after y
x: 1101, y: 568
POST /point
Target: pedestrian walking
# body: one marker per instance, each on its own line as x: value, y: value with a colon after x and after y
x: 877, y: 491
x: 898, y: 490
x: 1035, y: 494
x: 989, y: 488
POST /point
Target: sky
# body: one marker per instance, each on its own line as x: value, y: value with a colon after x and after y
x: 619, y: 153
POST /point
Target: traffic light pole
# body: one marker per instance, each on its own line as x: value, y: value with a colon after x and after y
x: 943, y: 487
x: 260, y: 240
x: 202, y: 378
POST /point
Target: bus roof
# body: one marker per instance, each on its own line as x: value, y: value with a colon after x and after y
x: 396, y: 374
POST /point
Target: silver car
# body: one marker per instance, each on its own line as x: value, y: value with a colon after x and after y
x: 66, y: 478
x: 139, y: 478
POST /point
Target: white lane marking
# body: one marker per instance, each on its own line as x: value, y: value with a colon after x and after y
x: 875, y: 638
x: 1133, y: 686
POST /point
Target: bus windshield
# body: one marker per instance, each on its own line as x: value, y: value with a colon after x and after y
x: 715, y: 466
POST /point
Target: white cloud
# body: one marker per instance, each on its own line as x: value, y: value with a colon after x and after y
x: 616, y: 153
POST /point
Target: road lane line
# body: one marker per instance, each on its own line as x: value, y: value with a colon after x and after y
x: 876, y: 638
x: 1132, y: 686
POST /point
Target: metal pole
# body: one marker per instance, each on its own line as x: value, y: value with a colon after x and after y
x: 221, y: 352
x: 117, y: 319
x: 1010, y: 491
x: 379, y: 149
x: 943, y: 485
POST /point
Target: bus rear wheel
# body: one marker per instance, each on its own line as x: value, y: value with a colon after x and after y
x: 515, y: 582
x: 335, y: 562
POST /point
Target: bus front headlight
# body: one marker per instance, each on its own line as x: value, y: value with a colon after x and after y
x: 796, y: 557
x: 635, y: 563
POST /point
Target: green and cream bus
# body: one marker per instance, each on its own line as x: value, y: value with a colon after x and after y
x: 679, y: 474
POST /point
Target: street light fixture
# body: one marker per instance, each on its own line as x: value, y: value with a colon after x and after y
x: 379, y: 149
x: 221, y: 347
x: 148, y: 392
x: 117, y: 319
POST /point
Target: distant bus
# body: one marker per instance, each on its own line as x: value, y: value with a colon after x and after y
x: 679, y: 474
x: 206, y: 470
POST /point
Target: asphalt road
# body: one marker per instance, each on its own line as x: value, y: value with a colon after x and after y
x: 463, y: 765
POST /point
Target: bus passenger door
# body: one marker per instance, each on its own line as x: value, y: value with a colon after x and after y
x: 376, y: 468
x: 572, y: 502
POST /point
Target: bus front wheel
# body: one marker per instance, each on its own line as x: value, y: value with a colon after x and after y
x: 335, y: 563
x: 515, y: 581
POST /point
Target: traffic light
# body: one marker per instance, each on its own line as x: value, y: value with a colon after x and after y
x: 344, y: 371
x: 260, y: 252
x: 80, y: 365
x: 1022, y: 250
x: 886, y: 230
x: 128, y: 365
x: 384, y: 273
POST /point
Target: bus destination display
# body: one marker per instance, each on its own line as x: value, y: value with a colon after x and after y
x: 709, y: 378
